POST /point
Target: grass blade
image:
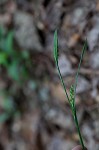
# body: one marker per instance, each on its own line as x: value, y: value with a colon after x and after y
x: 56, y: 47
x: 79, y: 65
x: 56, y: 61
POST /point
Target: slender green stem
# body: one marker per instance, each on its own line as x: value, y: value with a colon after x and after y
x: 62, y: 82
x: 73, y: 108
x: 78, y: 129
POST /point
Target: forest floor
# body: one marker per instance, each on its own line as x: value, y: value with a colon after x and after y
x: 34, y: 113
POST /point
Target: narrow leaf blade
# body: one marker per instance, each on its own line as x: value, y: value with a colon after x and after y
x: 55, y: 47
x: 79, y: 65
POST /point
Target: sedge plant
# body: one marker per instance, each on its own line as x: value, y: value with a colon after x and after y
x: 72, y: 92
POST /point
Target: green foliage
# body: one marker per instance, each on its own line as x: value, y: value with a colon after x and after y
x: 13, y: 60
x: 71, y: 98
x: 3, y: 58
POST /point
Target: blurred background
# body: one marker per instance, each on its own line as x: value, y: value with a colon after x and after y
x: 34, y: 113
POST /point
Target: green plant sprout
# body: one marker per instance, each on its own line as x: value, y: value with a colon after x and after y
x: 72, y: 95
x: 14, y: 61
